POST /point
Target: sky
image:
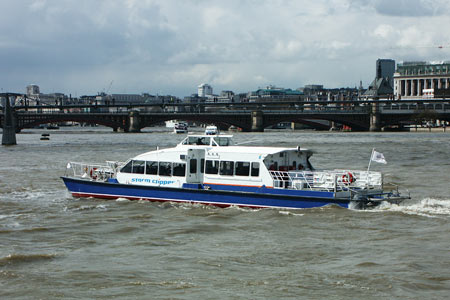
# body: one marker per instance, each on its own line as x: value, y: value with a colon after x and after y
x: 169, y: 47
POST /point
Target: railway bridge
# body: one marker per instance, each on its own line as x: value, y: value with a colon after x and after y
x: 251, y: 116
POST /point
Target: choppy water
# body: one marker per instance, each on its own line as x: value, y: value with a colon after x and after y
x: 53, y: 246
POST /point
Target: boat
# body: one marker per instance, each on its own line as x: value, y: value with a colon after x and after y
x: 211, y: 130
x: 171, y: 123
x: 213, y: 170
x: 45, y: 137
x: 52, y: 126
x: 180, y: 127
x: 233, y: 128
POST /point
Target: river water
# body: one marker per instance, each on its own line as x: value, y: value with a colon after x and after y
x: 54, y: 246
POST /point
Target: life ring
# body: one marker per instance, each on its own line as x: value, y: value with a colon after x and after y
x: 348, y: 178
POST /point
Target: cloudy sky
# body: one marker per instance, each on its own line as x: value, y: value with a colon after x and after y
x: 80, y: 47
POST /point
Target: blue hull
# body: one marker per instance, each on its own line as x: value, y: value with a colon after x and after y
x: 260, y: 198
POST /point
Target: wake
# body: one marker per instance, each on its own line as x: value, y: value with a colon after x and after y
x: 428, y: 207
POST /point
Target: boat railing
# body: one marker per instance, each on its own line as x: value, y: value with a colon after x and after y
x: 329, y: 180
x: 95, y: 172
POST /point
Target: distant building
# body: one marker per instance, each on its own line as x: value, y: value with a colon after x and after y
x: 225, y: 97
x: 272, y: 93
x: 204, y: 90
x: 313, y: 87
x: 33, y: 90
x: 412, y: 78
x: 316, y: 92
x: 379, y: 88
x: 385, y: 68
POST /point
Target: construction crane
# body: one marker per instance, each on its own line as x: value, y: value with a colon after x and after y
x: 109, y: 87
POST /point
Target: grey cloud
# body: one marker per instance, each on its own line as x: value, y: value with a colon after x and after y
x: 171, y: 46
x: 405, y: 8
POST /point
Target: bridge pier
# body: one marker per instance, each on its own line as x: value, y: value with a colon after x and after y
x: 133, y: 118
x: 9, y: 124
x: 375, y: 117
x: 257, y: 121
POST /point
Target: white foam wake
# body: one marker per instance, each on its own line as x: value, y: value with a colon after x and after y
x: 428, y: 207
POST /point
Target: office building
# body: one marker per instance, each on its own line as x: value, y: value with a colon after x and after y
x: 415, y: 80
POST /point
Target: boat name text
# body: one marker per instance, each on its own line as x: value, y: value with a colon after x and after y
x: 157, y: 181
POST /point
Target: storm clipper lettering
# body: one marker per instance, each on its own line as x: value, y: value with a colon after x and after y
x: 155, y: 181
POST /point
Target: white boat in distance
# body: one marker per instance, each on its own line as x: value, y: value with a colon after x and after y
x: 212, y: 170
x: 211, y: 130
x: 180, y: 127
x: 171, y: 123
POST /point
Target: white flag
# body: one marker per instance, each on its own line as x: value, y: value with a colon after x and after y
x: 378, y: 157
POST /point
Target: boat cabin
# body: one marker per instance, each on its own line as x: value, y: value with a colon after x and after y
x: 213, y: 161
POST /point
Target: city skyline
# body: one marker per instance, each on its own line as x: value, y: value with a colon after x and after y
x: 170, y: 47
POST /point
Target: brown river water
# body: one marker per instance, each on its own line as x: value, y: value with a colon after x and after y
x: 54, y: 246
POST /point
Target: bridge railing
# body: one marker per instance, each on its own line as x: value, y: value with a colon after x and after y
x: 416, y: 107
x: 307, y: 109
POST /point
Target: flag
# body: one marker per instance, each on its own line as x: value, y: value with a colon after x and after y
x: 378, y: 157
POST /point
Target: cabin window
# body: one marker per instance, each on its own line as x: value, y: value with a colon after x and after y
x: 255, y: 169
x: 222, y: 141
x: 226, y: 168
x: 206, y: 140
x: 151, y: 168
x: 198, y: 140
x: 165, y: 168
x: 138, y: 166
x: 212, y: 167
x: 202, y: 165
x: 242, y: 168
x: 179, y: 169
x: 193, y: 166
x: 128, y: 167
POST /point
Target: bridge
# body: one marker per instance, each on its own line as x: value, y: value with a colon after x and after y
x: 361, y: 115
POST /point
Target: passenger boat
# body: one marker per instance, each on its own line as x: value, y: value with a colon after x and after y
x: 212, y: 170
x: 171, y: 123
x: 211, y: 130
x: 180, y: 127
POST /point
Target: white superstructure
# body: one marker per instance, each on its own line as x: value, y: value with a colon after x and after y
x: 206, y: 159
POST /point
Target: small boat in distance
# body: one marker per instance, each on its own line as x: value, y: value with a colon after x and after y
x: 211, y: 130
x: 45, y: 137
x: 213, y: 170
x: 180, y: 127
x: 52, y: 126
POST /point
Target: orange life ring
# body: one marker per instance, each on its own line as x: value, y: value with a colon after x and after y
x: 348, y: 178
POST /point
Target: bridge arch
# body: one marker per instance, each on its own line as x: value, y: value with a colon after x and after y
x: 220, y: 121
x: 359, y: 124
x: 114, y: 122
